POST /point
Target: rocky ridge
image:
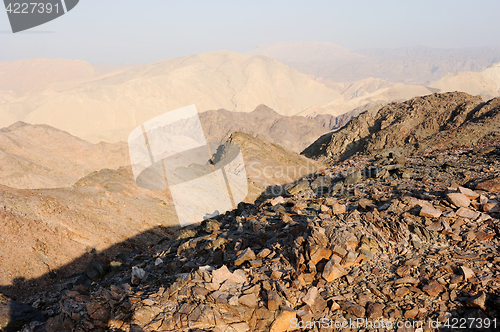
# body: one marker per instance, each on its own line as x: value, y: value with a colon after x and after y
x: 383, y: 238
x: 294, y: 133
x: 422, y: 124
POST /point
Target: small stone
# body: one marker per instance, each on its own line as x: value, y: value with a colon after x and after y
x: 320, y: 254
x: 249, y: 300
x: 310, y: 297
x: 467, y: 272
x: 374, y: 310
x: 458, y: 199
x: 406, y: 280
x: 470, y: 194
x: 433, y: 288
x: 339, y: 251
x: 492, y: 185
x: 273, y: 300
x: 246, y: 255
x: 338, y: 208
x: 366, y: 204
x: 256, y: 263
x: 276, y: 275
x: 412, y: 313
x: 333, y: 271
x: 477, y: 301
x: 403, y: 270
x: 138, y: 275
x: 401, y: 292
x: 429, y: 211
x: 491, y: 206
x: 467, y: 213
x: 435, y: 226
x: 277, y: 200
x: 354, y: 309
x: 264, y: 253
x: 335, y: 306
x: 282, y: 322
x: 222, y: 274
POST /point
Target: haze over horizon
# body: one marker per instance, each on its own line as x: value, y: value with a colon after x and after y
x: 120, y: 32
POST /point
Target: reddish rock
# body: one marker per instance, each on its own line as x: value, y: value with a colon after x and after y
x: 246, y: 255
x: 471, y: 194
x: 354, y: 309
x: 412, y: 313
x: 338, y: 208
x: 320, y: 254
x: 458, y: 199
x: 400, y: 292
x: 492, y: 185
x: 374, y: 310
x: 333, y: 271
x: 477, y: 301
x: 282, y: 322
x: 429, y: 211
x: 467, y: 213
x: 467, y: 272
x: 433, y: 288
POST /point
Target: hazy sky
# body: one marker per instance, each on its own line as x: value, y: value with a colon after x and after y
x: 140, y: 31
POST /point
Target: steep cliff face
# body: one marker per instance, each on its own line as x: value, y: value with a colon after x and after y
x: 421, y: 124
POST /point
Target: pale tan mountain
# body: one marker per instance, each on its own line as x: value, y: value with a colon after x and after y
x: 110, y: 106
x: 39, y: 156
x: 367, y: 100
x: 485, y: 83
x: 372, y: 92
x: 32, y: 76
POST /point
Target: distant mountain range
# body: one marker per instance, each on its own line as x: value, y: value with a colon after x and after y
x: 109, y: 106
x: 409, y: 65
x: 84, y: 101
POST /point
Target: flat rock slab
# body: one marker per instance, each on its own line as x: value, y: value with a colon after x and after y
x: 492, y: 185
x: 429, y: 211
x: 467, y: 213
x: 458, y: 199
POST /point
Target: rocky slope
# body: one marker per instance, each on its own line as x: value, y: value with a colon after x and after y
x: 422, y: 124
x: 43, y: 230
x: 390, y: 240
x: 294, y: 133
x: 268, y: 165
